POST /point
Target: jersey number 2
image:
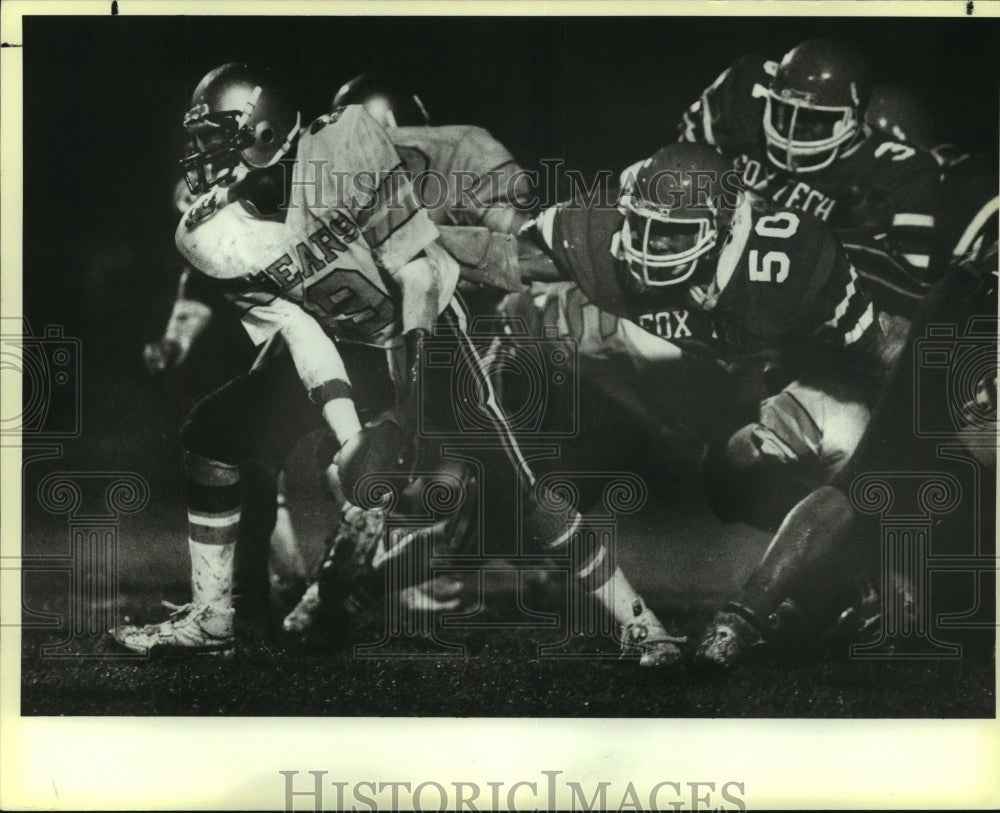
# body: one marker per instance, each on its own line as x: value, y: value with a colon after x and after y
x: 345, y: 295
x: 773, y: 266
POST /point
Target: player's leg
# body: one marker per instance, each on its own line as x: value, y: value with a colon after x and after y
x: 799, y: 586
x: 557, y: 532
x: 256, y: 416
x: 801, y: 438
x: 807, y: 572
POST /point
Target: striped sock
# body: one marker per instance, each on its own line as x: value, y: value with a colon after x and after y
x: 213, y: 497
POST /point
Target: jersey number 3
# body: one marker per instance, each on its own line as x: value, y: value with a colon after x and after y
x: 773, y: 265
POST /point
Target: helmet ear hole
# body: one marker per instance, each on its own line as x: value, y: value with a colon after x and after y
x: 265, y: 133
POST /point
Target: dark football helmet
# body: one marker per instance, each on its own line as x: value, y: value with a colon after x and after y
x: 815, y: 105
x: 239, y: 120
x: 902, y: 114
x: 678, y: 205
x: 389, y: 107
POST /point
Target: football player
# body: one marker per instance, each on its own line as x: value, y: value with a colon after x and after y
x: 333, y: 246
x: 821, y: 558
x: 464, y: 177
x: 796, y: 130
x: 691, y: 263
x: 806, y: 576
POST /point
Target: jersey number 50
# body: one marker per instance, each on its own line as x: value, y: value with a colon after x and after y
x: 773, y: 266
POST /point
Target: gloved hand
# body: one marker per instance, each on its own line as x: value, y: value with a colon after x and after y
x: 383, y: 445
x: 162, y: 355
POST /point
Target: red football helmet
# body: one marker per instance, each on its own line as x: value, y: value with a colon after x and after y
x: 815, y: 105
x: 902, y: 114
x: 239, y: 118
x: 677, y: 205
x: 388, y: 107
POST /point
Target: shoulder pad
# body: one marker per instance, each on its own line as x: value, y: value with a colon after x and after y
x: 204, y: 207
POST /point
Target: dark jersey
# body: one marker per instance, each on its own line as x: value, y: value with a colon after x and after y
x: 780, y: 277
x: 879, y: 193
x: 967, y: 227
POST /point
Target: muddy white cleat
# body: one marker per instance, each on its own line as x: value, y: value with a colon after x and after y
x: 727, y: 640
x: 191, y: 629
x: 646, y: 635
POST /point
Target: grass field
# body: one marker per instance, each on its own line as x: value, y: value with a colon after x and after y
x: 498, y: 669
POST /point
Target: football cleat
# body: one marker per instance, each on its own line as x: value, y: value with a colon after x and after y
x: 646, y: 635
x: 727, y: 641
x: 305, y: 614
x: 438, y: 595
x: 191, y: 629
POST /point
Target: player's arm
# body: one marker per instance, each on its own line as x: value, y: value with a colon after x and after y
x: 912, y: 234
x: 537, y: 258
x: 843, y: 315
x: 316, y: 358
x: 728, y: 113
x: 189, y: 317
x: 495, y: 190
x: 901, y: 220
x: 426, y: 284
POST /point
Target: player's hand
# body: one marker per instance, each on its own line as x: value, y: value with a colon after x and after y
x: 161, y: 355
x: 382, y: 445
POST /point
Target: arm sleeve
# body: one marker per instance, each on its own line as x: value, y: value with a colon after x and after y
x: 914, y: 204
x: 316, y: 358
x: 843, y: 311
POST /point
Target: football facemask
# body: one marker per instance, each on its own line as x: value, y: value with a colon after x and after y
x: 218, y: 144
x: 805, y: 137
x: 662, y: 248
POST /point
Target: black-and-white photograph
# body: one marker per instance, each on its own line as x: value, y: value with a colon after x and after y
x: 512, y: 367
